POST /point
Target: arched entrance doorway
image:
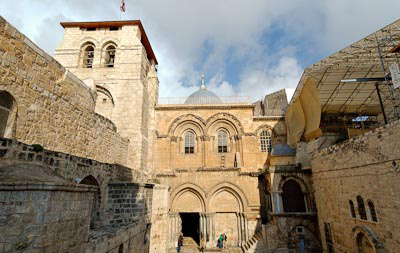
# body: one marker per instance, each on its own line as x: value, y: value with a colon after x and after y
x: 226, y: 213
x: 188, y: 218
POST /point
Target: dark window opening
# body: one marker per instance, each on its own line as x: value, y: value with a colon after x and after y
x: 372, y: 211
x: 121, y: 248
x: 352, y: 210
x: 95, y: 215
x: 88, y: 57
x: 91, y: 29
x: 328, y: 237
x: 114, y: 28
x: 190, y: 226
x: 293, y: 197
x: 110, y: 56
x: 361, y: 208
x: 6, y: 105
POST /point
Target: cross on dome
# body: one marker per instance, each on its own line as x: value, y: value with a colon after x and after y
x: 203, y: 87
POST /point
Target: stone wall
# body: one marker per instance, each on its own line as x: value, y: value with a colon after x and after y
x: 44, y: 217
x: 128, y: 203
x: 132, y: 82
x: 70, y: 167
x: 243, y: 129
x: 366, y: 166
x: 54, y: 108
x: 159, y: 220
x: 73, y: 168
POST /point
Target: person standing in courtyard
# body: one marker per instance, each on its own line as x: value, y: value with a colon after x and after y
x: 224, y: 237
x: 220, y: 241
x: 180, y: 243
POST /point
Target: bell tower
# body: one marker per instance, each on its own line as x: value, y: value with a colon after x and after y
x: 115, y: 59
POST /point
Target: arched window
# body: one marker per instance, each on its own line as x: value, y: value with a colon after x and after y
x: 222, y: 141
x: 372, y: 211
x: 7, y: 116
x: 88, y: 56
x: 352, y: 210
x: 265, y: 141
x: 293, y: 197
x: 189, y: 142
x: 361, y: 208
x: 110, y: 56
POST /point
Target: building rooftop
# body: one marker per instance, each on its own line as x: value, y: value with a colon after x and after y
x: 203, y: 96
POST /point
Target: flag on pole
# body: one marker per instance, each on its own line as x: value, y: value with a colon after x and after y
x: 122, y: 6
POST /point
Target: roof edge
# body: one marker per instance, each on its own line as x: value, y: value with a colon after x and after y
x: 97, y: 24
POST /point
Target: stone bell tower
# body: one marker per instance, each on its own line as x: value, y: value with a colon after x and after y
x: 116, y: 59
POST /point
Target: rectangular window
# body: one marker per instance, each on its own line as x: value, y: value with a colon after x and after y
x: 222, y: 149
x: 328, y: 237
x: 91, y: 29
x: 189, y: 150
x: 114, y: 28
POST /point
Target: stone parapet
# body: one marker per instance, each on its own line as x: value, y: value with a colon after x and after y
x: 71, y: 167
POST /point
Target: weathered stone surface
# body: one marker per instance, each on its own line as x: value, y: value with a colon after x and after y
x: 366, y: 166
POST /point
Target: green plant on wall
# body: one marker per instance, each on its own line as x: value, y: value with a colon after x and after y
x: 37, y: 147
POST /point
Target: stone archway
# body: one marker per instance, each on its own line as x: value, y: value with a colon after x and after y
x: 187, y: 213
x: 226, y: 207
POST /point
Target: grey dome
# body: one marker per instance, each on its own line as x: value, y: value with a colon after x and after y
x: 203, y: 96
x: 283, y: 150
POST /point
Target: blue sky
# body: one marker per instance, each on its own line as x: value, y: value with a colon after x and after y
x: 246, y: 48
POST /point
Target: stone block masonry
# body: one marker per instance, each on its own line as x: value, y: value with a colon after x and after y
x: 365, y: 166
x: 44, y: 217
x: 128, y: 203
x: 68, y: 166
x: 131, y: 83
x: 53, y: 108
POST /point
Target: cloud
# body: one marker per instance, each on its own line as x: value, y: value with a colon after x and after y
x: 245, y: 48
x: 256, y: 83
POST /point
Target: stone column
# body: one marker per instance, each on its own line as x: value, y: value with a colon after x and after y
x: 239, y: 226
x: 277, y: 202
x: 172, y: 151
x: 211, y: 230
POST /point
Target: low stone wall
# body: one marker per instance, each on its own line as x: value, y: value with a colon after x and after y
x: 71, y: 167
x: 132, y: 239
x: 53, y: 107
x: 44, y: 217
x: 366, y: 166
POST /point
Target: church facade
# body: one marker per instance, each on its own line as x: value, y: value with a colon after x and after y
x: 91, y: 160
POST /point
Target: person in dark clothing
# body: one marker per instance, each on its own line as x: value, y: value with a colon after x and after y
x: 224, y: 238
x: 180, y: 243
